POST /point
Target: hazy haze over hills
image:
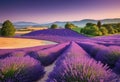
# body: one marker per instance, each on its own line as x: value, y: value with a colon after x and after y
x: 80, y: 23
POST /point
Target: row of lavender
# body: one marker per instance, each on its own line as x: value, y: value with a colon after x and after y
x: 47, y: 55
x: 108, y: 40
x: 109, y: 55
x: 57, y: 35
x: 21, y: 66
x: 66, y: 35
x: 75, y: 65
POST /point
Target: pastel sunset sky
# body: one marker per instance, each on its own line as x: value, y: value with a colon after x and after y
x: 44, y: 11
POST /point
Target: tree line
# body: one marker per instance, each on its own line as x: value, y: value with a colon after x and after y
x: 101, y: 29
x: 92, y: 29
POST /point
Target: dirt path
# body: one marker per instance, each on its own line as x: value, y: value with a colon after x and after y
x: 48, y: 69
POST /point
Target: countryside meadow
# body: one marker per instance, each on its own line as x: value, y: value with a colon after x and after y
x: 59, y: 41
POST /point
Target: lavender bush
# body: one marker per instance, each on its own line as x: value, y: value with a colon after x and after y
x: 18, y: 53
x: 76, y: 66
x: 95, y: 49
x: 8, y: 52
x: 117, y: 67
x: 20, y: 69
x: 73, y: 48
x: 109, y: 55
x: 91, y: 48
x: 81, y: 70
x: 108, y: 40
x: 48, y: 56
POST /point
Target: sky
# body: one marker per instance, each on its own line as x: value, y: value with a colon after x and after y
x: 45, y: 11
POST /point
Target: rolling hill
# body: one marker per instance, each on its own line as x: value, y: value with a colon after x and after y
x: 80, y: 23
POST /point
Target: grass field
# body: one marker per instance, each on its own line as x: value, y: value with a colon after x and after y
x: 8, y: 43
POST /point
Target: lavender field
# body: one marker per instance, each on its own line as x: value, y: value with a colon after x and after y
x: 76, y: 58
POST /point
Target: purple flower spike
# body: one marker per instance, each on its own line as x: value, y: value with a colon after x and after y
x: 109, y: 55
x: 20, y: 69
x: 81, y: 70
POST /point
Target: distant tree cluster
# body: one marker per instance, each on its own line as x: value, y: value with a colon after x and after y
x: 91, y: 29
x: 54, y: 26
x: 99, y: 29
x: 69, y: 25
x: 112, y: 28
x: 7, y: 29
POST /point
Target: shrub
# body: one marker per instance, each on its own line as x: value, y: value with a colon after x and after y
x: 104, y: 31
x: 18, y: 53
x: 92, y: 30
x: 74, y: 67
x: 7, y: 29
x: 95, y: 49
x: 117, y: 67
x: 48, y: 56
x: 109, y: 55
x: 75, y: 49
x: 20, y: 69
x: 92, y: 48
x: 80, y: 70
x: 54, y: 26
x: 69, y: 25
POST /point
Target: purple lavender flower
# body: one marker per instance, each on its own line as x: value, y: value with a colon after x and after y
x: 48, y: 56
x: 117, y: 67
x: 109, y: 55
x: 76, y: 66
x: 81, y: 70
x: 73, y: 48
x: 108, y: 40
x: 18, y: 53
x: 57, y: 35
x: 91, y: 48
x: 20, y: 69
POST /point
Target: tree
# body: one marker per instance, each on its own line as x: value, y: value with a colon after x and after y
x: 7, y: 29
x: 91, y: 29
x: 89, y: 24
x: 54, y: 26
x: 0, y: 31
x: 69, y: 25
x: 104, y: 31
x: 99, y: 24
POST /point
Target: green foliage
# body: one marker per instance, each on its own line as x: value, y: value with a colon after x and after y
x: 104, y: 31
x: 54, y: 26
x: 0, y: 31
x: 98, y: 29
x: 89, y: 24
x: 91, y: 29
x: 109, y: 28
x: 116, y: 27
x: 69, y: 26
x: 99, y: 24
x: 7, y: 29
x: 77, y: 29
